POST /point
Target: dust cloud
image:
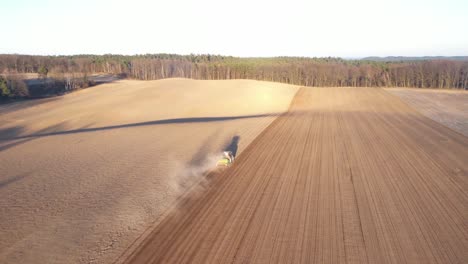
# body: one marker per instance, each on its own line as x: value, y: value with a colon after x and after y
x: 185, y: 177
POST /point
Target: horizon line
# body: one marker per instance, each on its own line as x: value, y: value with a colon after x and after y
x: 241, y: 57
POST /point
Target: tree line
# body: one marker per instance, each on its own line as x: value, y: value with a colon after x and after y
x: 441, y: 73
x: 13, y: 87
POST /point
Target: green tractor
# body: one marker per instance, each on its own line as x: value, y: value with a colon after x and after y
x: 226, y: 160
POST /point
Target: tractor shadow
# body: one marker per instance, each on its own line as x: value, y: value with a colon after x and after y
x: 233, y: 146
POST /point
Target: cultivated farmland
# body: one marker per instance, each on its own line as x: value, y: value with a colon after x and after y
x: 82, y: 176
x: 126, y: 172
x: 348, y: 175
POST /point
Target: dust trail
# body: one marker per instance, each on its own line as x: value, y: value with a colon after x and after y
x: 185, y: 177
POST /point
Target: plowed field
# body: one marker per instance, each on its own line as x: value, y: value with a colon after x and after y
x: 347, y: 175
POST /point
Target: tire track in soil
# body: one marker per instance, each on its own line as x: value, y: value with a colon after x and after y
x: 347, y: 175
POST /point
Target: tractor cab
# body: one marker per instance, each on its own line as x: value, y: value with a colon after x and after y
x: 226, y: 160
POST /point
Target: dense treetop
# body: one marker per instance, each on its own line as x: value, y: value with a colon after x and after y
x: 422, y: 73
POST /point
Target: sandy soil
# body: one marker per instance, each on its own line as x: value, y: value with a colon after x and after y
x: 348, y: 175
x: 82, y: 176
x: 449, y: 107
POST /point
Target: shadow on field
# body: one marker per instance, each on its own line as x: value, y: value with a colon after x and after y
x: 10, y: 134
x: 233, y: 146
x: 6, y: 182
x: 14, y: 144
x: 20, y: 104
x: 204, y: 151
x: 51, y: 87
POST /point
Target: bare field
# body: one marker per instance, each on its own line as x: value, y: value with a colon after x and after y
x: 449, y: 107
x: 82, y: 176
x: 348, y: 175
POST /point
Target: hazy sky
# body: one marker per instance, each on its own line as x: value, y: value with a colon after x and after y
x: 345, y: 28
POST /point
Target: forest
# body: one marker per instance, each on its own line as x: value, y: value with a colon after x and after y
x: 71, y: 72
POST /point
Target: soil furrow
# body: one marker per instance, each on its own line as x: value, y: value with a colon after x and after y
x: 348, y: 175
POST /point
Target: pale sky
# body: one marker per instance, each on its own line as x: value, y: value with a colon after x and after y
x: 247, y: 28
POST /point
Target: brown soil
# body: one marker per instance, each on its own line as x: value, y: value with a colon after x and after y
x: 348, y: 175
x: 83, y: 175
x: 448, y: 107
